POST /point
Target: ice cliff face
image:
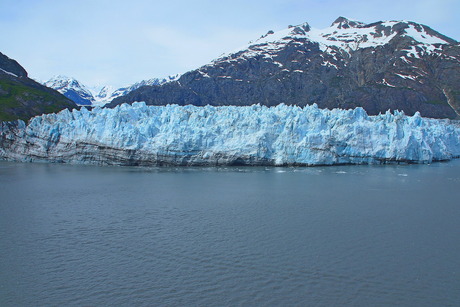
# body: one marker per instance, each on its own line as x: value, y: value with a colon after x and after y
x: 251, y: 135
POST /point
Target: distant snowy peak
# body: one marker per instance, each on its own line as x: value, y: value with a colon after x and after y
x: 153, y: 81
x: 62, y: 83
x: 97, y: 96
x: 72, y: 89
x: 104, y: 92
x: 345, y: 23
x: 344, y: 34
x: 107, y: 93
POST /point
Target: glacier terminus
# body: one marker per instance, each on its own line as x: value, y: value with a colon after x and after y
x: 283, y: 135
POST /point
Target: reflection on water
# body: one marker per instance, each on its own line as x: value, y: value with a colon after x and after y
x: 348, y: 235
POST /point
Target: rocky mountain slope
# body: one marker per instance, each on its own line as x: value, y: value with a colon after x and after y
x: 22, y: 97
x: 379, y: 66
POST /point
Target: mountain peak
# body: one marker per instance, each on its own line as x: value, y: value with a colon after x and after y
x: 345, y: 23
x: 11, y: 67
x: 61, y: 78
x: 71, y: 88
x: 60, y: 81
x: 301, y: 29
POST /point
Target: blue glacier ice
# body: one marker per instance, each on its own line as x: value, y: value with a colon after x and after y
x: 253, y: 135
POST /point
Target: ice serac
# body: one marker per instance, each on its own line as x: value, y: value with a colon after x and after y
x: 230, y: 135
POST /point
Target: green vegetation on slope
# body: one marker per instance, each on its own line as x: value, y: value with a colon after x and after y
x: 24, y: 98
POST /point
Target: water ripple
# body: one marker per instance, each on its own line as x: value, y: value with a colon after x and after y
x: 353, y: 236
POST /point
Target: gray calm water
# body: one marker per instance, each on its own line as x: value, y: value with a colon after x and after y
x: 323, y: 236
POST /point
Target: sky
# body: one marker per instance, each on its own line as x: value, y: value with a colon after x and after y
x: 118, y: 43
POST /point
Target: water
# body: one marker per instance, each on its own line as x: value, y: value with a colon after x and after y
x: 324, y: 236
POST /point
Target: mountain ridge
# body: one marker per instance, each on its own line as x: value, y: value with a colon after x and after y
x: 378, y: 66
x: 96, y: 96
x: 72, y: 89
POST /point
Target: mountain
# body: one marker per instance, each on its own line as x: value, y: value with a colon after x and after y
x: 22, y: 97
x: 107, y: 94
x: 379, y: 66
x: 97, y: 96
x: 250, y: 135
x: 72, y: 89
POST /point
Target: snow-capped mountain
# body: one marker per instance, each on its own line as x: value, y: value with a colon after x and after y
x: 102, y: 95
x: 72, y: 89
x: 97, y: 96
x: 378, y: 66
x: 345, y: 35
x: 249, y: 135
x: 107, y: 93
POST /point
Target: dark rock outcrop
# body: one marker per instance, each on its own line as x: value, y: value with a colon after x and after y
x: 11, y: 66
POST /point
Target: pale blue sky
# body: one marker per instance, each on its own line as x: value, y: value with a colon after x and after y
x: 122, y: 42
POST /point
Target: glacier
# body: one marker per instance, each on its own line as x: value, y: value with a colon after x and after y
x: 283, y: 135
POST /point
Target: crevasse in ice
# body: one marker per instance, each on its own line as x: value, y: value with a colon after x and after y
x: 256, y: 135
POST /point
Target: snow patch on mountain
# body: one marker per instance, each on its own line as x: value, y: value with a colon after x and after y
x: 9, y: 73
x: 254, y: 135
